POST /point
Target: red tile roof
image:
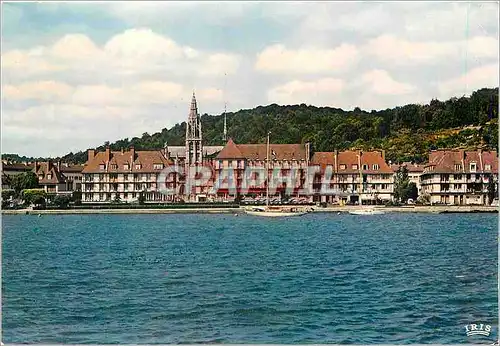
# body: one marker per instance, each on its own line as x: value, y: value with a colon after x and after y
x: 458, y: 161
x: 351, y: 158
x: 147, y: 160
x: 259, y: 151
x: 411, y: 167
x: 48, y: 173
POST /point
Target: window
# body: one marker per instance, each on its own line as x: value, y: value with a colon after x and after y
x: 137, y: 166
x: 125, y: 195
x: 125, y: 177
x: 158, y: 166
x: 354, y: 166
x: 487, y: 167
x: 114, y: 166
x: 375, y: 167
x: 49, y: 176
x: 365, y: 167
x: 458, y: 167
x: 101, y: 167
x: 457, y: 177
x: 126, y: 167
x: 472, y: 166
x: 342, y: 166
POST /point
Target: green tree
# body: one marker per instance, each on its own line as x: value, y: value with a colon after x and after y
x: 76, y: 197
x: 412, y: 191
x: 401, y: 185
x: 117, y: 199
x: 62, y: 201
x: 34, y: 196
x: 142, y: 198
x: 424, y: 199
x: 23, y: 181
x: 492, y: 189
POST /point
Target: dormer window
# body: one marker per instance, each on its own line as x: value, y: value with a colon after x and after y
x: 126, y: 167
x: 458, y: 167
x: 365, y: 167
x: 472, y: 166
x: 375, y: 167
x: 342, y: 166
x: 114, y: 166
x: 158, y: 166
x: 355, y: 166
x: 138, y: 166
x: 49, y: 176
x: 487, y: 167
x: 101, y: 167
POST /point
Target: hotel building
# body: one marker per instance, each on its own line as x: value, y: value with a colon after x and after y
x: 459, y: 177
x: 352, y: 176
x: 287, y: 159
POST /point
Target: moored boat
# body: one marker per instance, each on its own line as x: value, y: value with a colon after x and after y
x: 274, y: 211
x: 366, y: 212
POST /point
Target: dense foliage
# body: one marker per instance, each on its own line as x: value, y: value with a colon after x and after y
x: 23, y: 181
x: 407, y: 133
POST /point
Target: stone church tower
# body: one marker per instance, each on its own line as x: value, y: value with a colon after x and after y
x: 194, y: 147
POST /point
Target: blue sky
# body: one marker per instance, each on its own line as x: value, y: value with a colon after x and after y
x: 77, y: 74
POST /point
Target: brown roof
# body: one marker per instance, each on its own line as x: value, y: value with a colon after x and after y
x: 147, y: 159
x: 350, y: 158
x: 458, y: 161
x: 48, y: 173
x: 323, y: 158
x: 411, y: 167
x: 259, y: 151
x: 71, y: 168
x: 16, y: 167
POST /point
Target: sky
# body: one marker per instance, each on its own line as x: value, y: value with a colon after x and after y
x: 77, y: 74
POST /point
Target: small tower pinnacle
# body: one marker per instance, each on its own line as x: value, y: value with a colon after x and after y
x: 224, y: 136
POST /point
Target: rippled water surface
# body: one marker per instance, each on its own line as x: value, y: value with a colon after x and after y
x: 321, y: 278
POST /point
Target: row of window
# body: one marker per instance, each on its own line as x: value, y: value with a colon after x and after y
x: 355, y: 166
x: 127, y: 166
x: 472, y: 167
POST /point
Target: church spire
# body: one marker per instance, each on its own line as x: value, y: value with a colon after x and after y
x: 194, y: 150
x: 193, y: 112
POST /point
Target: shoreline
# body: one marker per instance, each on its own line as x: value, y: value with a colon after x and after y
x: 335, y: 209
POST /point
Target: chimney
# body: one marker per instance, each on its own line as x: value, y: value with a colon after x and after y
x: 308, y: 152
x: 58, y: 165
x: 49, y: 165
x: 90, y: 155
x: 36, y: 166
x: 132, y: 154
x: 335, y: 157
x: 107, y: 156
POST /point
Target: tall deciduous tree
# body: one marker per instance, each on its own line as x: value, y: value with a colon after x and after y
x: 23, y: 181
x: 401, y: 185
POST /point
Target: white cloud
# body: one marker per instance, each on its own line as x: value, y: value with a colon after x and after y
x: 381, y: 83
x: 141, y: 93
x: 480, y: 77
x: 279, y: 59
x: 132, y: 52
x: 39, y: 90
x: 389, y: 48
x: 320, y: 92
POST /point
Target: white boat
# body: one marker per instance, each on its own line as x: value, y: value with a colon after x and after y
x: 274, y: 211
x: 366, y: 212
